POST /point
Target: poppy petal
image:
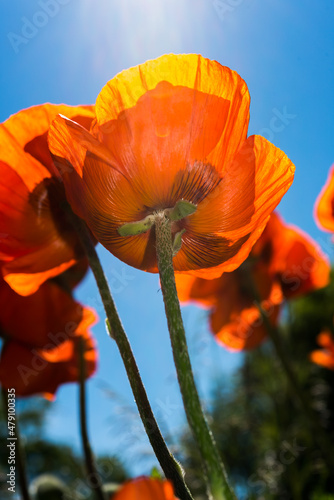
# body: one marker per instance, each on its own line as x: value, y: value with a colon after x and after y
x: 41, y: 343
x: 36, y: 241
x: 25, y: 136
x: 293, y: 256
x: 324, y: 205
x: 236, y: 322
x: 50, y: 313
x: 172, y: 129
x: 199, y: 290
x: 30, y: 371
x: 238, y: 209
x: 145, y: 488
x: 174, y: 96
x: 325, y: 356
x: 307, y: 268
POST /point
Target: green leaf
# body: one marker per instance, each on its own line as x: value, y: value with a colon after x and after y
x: 177, y: 243
x: 155, y: 473
x: 138, y: 227
x: 181, y: 210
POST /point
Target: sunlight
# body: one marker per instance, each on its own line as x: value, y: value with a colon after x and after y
x: 130, y: 32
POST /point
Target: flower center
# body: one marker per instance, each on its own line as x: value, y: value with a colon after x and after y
x: 182, y: 209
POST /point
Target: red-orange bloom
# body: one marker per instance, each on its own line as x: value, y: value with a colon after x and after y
x: 324, y: 356
x: 145, y: 488
x: 293, y: 258
x: 324, y: 206
x: 284, y: 263
x: 42, y: 334
x: 36, y: 240
x: 170, y: 129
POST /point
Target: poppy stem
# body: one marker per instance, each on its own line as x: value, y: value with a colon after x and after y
x: 19, y: 452
x: 172, y: 469
x: 319, y: 434
x: 95, y: 479
x: 217, y: 483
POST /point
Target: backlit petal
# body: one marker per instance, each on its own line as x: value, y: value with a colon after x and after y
x: 293, y: 256
x: 198, y: 290
x: 236, y: 320
x: 42, y: 334
x: 324, y: 206
x: 25, y: 136
x: 233, y: 216
x: 30, y: 371
x: 36, y: 240
x: 174, y: 97
x: 47, y: 314
x: 172, y: 129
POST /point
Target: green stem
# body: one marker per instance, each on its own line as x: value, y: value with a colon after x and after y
x: 19, y: 453
x: 95, y: 479
x: 169, y: 465
x: 319, y: 435
x: 218, y: 487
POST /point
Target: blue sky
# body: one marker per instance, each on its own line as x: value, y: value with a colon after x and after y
x: 66, y: 50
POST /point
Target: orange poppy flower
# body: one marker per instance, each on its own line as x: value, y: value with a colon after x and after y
x: 36, y: 240
x: 293, y: 258
x: 235, y: 318
x: 173, y: 129
x: 324, y: 356
x: 284, y: 263
x: 42, y: 334
x: 145, y: 488
x: 324, y: 206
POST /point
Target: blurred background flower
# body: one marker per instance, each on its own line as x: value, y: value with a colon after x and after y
x: 42, y: 333
x: 283, y: 264
x: 37, y: 241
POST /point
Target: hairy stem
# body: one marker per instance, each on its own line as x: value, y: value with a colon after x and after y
x: 169, y: 465
x: 217, y: 483
x: 95, y: 479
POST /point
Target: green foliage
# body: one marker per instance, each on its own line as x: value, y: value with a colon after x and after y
x: 155, y: 473
x: 264, y: 438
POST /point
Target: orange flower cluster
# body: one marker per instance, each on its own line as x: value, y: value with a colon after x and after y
x: 168, y: 131
x: 40, y: 322
x: 283, y: 264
